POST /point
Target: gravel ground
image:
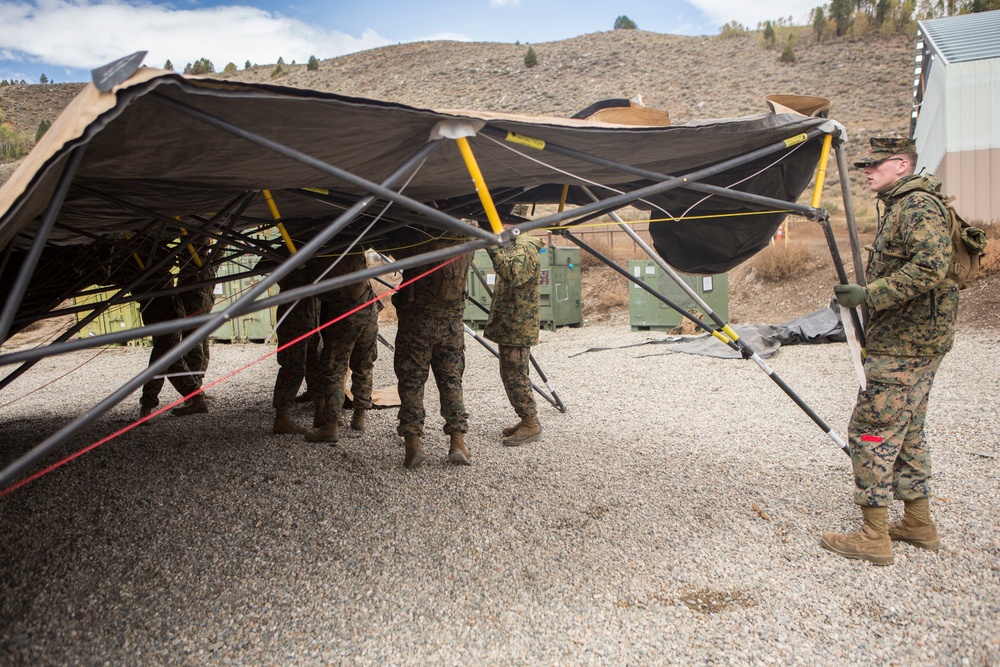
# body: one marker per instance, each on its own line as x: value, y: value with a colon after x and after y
x: 629, y: 535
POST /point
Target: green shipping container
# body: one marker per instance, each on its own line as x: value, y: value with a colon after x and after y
x: 647, y: 313
x: 559, y: 287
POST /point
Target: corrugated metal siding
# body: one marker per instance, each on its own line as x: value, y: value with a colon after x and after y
x: 965, y: 38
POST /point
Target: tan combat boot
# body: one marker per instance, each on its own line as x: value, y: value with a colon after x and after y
x: 358, y: 419
x: 195, y: 405
x: 458, y: 453
x: 871, y: 543
x: 319, y: 413
x: 414, y: 454
x: 283, y: 423
x: 917, y: 528
x: 528, y: 430
x: 511, y: 430
x: 330, y: 432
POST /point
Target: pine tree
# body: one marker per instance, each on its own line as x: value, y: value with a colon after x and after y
x: 313, y: 64
x: 530, y: 59
x: 169, y: 66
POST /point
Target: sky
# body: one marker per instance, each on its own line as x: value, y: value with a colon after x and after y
x: 66, y: 39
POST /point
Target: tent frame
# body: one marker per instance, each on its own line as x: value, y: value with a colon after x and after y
x: 252, y: 300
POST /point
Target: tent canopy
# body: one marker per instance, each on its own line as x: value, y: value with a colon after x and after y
x: 161, y: 155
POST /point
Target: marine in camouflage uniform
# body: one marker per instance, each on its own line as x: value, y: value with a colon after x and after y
x: 154, y: 311
x: 197, y: 301
x: 513, y: 324
x: 431, y: 336
x: 351, y: 342
x: 294, y: 320
x: 913, y: 307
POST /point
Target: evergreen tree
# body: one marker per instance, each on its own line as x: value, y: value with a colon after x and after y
x: 769, y: 37
x: 313, y: 64
x: 42, y: 128
x: 530, y: 59
x: 169, y: 66
x: 842, y: 12
x: 818, y: 22
x: 43, y: 78
x: 247, y: 65
x: 625, y: 23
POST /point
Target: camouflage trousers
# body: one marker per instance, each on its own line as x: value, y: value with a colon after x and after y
x: 422, y: 344
x: 886, y: 433
x: 349, y: 343
x: 181, y: 376
x: 300, y: 361
x: 197, y: 302
x: 514, y: 369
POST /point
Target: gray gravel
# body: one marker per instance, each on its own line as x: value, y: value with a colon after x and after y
x: 627, y: 536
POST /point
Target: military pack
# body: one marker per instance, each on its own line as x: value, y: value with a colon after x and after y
x: 969, y: 243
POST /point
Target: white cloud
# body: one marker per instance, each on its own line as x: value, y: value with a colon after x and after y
x: 504, y: 3
x: 83, y: 36
x: 752, y: 13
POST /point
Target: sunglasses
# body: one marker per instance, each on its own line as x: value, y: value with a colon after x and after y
x: 876, y: 165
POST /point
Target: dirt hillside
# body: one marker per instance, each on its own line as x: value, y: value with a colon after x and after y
x: 868, y: 82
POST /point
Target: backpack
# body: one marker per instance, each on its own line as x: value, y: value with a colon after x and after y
x: 969, y: 243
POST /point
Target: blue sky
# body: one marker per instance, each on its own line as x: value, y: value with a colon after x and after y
x: 65, y: 39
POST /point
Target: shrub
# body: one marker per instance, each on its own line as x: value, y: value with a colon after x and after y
x: 229, y: 69
x: 781, y: 261
x: 530, y: 59
x: 787, y: 54
x: 625, y: 23
x: 313, y: 64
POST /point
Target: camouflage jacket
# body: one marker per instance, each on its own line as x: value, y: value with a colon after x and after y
x: 514, y: 315
x: 913, y: 305
x: 439, y: 295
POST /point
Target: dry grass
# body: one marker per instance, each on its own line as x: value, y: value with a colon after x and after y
x: 781, y: 261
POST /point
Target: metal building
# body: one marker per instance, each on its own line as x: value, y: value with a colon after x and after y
x: 956, y: 108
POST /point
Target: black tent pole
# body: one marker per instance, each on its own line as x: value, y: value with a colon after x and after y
x: 118, y: 297
x: 9, y: 473
x: 553, y: 400
x: 41, y: 238
x: 746, y: 351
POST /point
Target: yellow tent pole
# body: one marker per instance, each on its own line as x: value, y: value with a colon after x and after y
x: 477, y: 178
x: 289, y: 243
x: 128, y: 237
x: 562, y: 198
x: 821, y: 170
x: 194, y: 253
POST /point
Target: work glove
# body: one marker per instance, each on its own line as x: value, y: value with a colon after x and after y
x: 849, y: 296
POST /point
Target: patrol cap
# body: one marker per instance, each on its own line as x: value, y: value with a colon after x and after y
x: 885, y: 147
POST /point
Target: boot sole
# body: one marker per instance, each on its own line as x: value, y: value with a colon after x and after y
x: 871, y: 558
x: 929, y: 546
x: 311, y: 437
x: 507, y: 442
x: 418, y: 460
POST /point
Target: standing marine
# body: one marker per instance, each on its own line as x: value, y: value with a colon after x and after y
x: 431, y: 336
x: 513, y: 324
x: 913, y: 306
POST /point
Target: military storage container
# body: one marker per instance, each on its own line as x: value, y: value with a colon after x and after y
x: 647, y: 313
x: 116, y: 318
x: 250, y: 328
x: 559, y: 288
